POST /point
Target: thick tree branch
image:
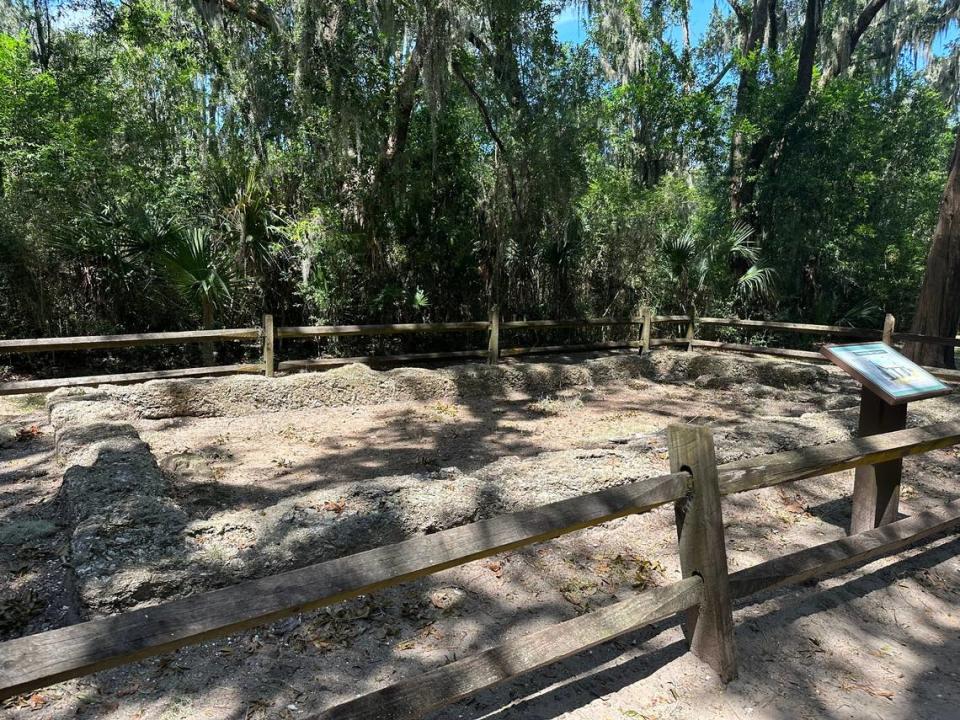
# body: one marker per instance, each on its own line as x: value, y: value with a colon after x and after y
x: 808, y: 51
x: 746, y: 90
x: 710, y: 86
x: 850, y: 39
x: 405, y: 99
x: 743, y: 18
x: 501, y: 63
x: 863, y: 21
x: 491, y: 130
x: 773, y: 30
x: 254, y: 11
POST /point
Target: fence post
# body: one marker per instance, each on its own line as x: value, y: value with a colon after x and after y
x: 268, y: 340
x: 709, y: 627
x: 647, y: 313
x: 691, y: 330
x: 493, y: 344
x: 889, y: 325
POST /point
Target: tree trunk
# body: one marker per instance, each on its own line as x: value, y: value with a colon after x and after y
x: 745, y: 165
x: 404, y: 102
x: 938, y: 307
x: 751, y: 41
x: 41, y: 20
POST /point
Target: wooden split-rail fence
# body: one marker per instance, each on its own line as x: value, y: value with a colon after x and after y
x: 704, y: 595
x: 267, y: 336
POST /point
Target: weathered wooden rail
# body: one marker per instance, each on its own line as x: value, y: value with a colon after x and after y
x: 102, y: 342
x: 267, y: 335
x: 695, y: 484
x: 887, y: 334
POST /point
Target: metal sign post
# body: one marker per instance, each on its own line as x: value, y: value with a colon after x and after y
x: 888, y: 382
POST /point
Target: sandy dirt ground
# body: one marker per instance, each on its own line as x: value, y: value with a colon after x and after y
x: 881, y: 641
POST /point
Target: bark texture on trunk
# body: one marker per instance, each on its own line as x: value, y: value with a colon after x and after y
x: 938, y: 307
x: 751, y: 40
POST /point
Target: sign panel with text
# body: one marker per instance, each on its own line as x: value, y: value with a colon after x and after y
x: 885, y: 371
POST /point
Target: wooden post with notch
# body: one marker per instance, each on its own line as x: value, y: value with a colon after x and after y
x: 889, y: 326
x: 646, y: 313
x: 708, y: 627
x: 493, y: 343
x: 691, y: 330
x: 268, y: 342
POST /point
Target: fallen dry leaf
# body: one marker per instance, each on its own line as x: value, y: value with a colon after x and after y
x: 335, y: 506
x: 28, y: 433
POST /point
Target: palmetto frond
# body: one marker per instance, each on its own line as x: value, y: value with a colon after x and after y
x: 679, y: 251
x: 700, y: 267
x: 739, y: 245
x: 756, y: 282
x: 199, y: 272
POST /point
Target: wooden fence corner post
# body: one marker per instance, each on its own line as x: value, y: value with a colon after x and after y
x: 268, y: 341
x: 889, y: 325
x: 493, y: 344
x: 709, y: 627
x: 647, y: 313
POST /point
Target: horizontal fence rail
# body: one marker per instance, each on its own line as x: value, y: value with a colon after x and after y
x: 397, y: 329
x: 34, y: 386
x: 95, y: 342
x: 542, y: 349
x: 378, y: 359
x: 841, y: 330
x: 573, y: 322
x: 494, y: 327
x: 829, y: 557
x: 791, y: 465
x: 410, y: 699
x: 38, y: 660
x: 762, y: 349
x: 944, y: 374
x: 928, y: 339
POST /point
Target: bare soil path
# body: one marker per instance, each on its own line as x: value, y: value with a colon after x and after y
x: 882, y: 641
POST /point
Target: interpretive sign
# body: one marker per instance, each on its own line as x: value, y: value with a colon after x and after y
x: 879, y: 367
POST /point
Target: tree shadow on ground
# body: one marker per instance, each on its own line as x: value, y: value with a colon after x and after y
x: 320, y: 658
